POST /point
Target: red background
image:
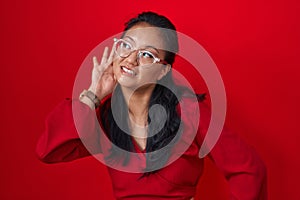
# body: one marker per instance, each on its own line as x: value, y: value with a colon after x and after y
x: 254, y: 43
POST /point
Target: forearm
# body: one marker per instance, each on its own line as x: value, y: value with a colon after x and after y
x: 249, y: 183
x: 63, y: 134
x: 243, y: 168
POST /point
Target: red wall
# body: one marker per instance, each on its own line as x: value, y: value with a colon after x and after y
x: 254, y: 43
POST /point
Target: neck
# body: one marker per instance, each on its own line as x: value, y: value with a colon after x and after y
x: 138, y: 103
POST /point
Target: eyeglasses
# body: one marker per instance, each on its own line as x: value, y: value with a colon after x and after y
x: 124, y: 49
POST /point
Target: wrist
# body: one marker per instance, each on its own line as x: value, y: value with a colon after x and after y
x: 96, y: 91
x: 88, y: 97
x: 87, y: 102
x: 92, y: 88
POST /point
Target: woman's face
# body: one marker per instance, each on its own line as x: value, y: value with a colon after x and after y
x: 128, y: 71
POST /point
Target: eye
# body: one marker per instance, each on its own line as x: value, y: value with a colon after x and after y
x: 125, y: 45
x: 147, y: 54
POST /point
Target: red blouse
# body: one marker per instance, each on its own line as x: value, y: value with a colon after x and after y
x: 241, y: 166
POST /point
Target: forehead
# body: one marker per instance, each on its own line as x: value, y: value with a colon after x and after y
x: 146, y: 35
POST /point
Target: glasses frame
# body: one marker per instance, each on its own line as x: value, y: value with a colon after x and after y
x: 139, y: 54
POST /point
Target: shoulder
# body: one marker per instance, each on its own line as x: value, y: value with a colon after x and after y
x: 194, y: 105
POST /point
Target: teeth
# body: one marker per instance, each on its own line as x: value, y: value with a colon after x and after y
x: 128, y: 71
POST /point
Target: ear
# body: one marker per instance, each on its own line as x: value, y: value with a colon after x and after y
x: 165, y: 69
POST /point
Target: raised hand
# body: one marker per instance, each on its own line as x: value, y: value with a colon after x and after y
x: 103, y: 79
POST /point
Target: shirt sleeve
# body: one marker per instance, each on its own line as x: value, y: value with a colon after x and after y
x: 239, y: 162
x: 69, y: 128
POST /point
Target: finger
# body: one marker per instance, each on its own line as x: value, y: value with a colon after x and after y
x: 109, y: 69
x: 95, y: 61
x: 110, y: 59
x: 104, y: 56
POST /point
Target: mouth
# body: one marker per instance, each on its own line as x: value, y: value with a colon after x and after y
x: 127, y: 71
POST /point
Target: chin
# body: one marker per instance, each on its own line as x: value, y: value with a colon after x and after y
x: 124, y: 82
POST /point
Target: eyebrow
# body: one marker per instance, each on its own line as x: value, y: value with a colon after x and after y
x: 129, y: 38
x: 148, y: 46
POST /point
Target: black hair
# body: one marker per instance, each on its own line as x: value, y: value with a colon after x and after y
x: 165, y: 94
x: 168, y: 31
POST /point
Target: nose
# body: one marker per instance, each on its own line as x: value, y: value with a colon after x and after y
x: 132, y: 58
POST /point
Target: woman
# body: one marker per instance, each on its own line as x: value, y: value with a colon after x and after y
x: 154, y: 152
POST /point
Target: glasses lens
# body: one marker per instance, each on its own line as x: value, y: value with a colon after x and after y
x: 146, y: 57
x: 123, y: 48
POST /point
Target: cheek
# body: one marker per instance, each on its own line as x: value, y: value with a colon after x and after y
x: 152, y: 74
x: 116, y: 64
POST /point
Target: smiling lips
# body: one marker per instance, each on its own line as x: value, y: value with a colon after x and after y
x: 127, y: 71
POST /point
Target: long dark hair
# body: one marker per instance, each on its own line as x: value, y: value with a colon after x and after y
x: 165, y: 94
